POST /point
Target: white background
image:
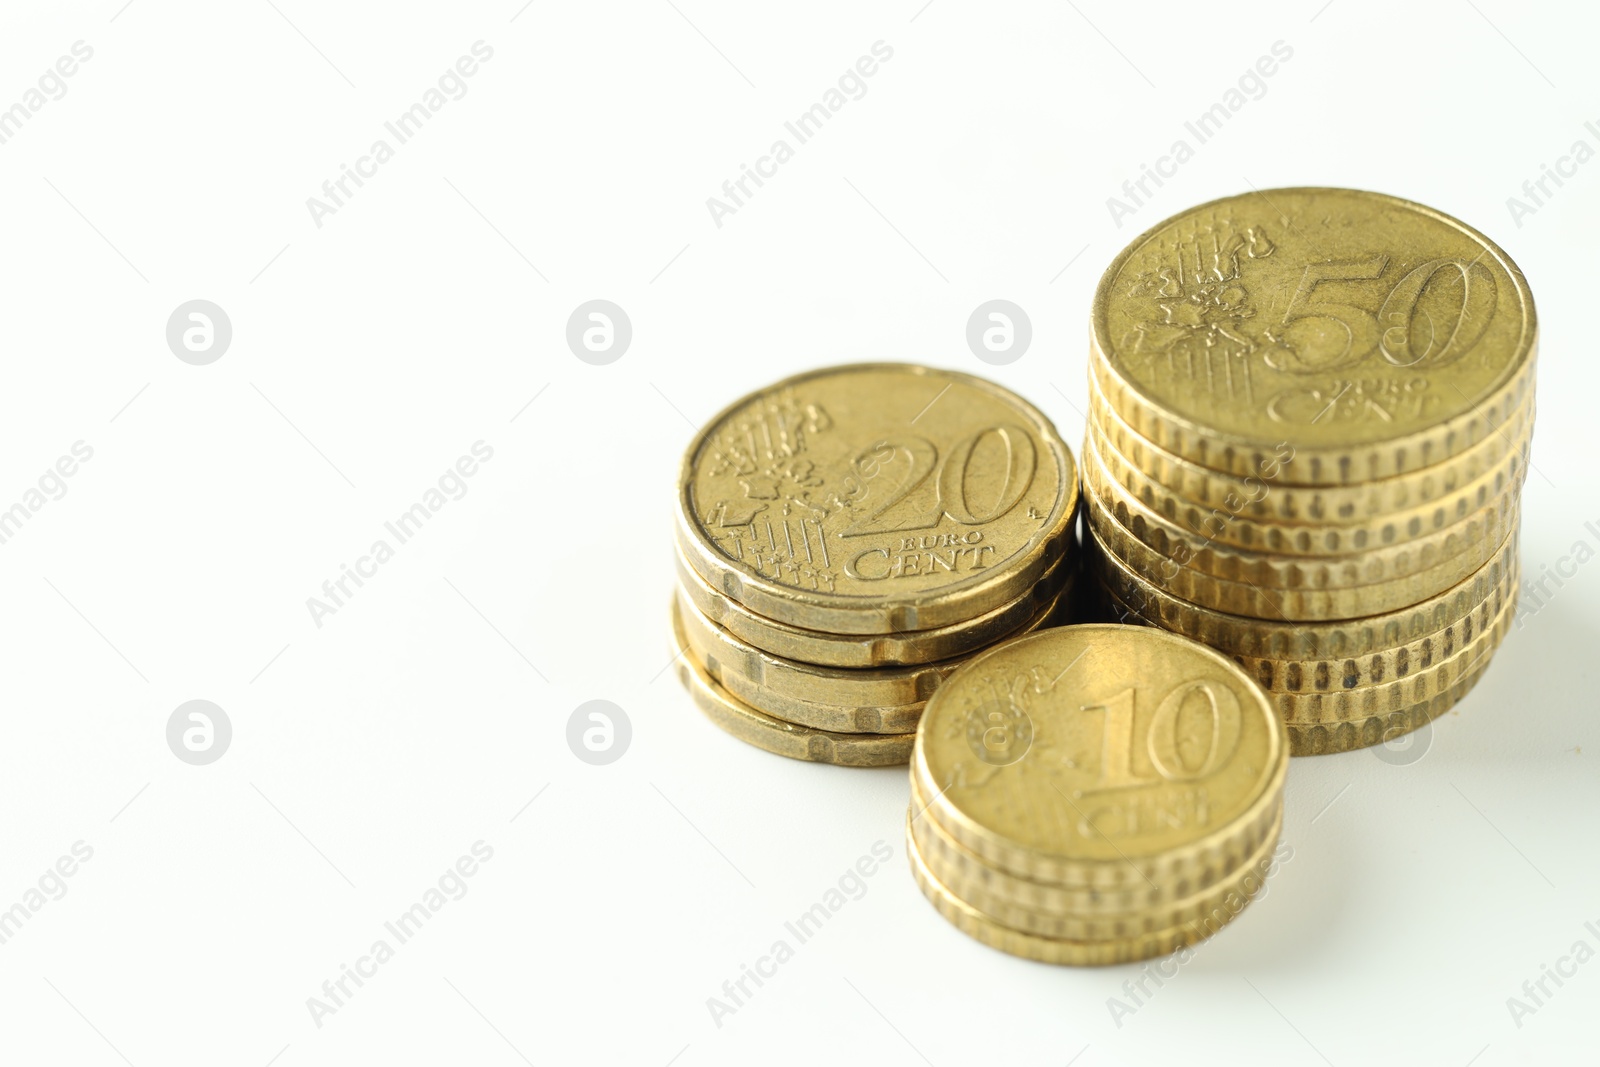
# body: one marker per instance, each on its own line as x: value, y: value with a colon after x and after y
x: 368, y: 354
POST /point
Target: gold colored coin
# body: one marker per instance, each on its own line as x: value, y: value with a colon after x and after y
x: 982, y: 928
x: 1317, y: 739
x: 1230, y: 525
x: 1132, y: 900
x: 1415, y: 686
x: 876, y: 499
x: 1366, y: 700
x: 1075, y: 924
x: 1474, y: 532
x: 1090, y: 755
x: 779, y: 736
x: 857, y: 700
x: 1375, y: 335
x: 1324, y: 723
x: 1454, y: 563
x: 869, y: 650
x: 725, y: 655
x: 1334, y: 675
x: 833, y: 718
x: 1196, y: 496
x: 1360, y: 649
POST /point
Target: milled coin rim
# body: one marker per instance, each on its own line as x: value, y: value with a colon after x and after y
x: 1113, y: 430
x: 1332, y: 469
x: 1041, y: 865
x: 781, y: 738
x: 1331, y: 674
x: 1275, y: 570
x: 1303, y: 604
x: 863, y: 651
x: 1378, y: 454
x: 770, y: 696
x: 881, y: 613
x: 840, y: 686
x: 1243, y: 630
x: 1063, y: 919
x: 1132, y: 888
x: 1276, y: 534
x: 967, y: 919
x: 1417, y: 688
x: 1326, y: 739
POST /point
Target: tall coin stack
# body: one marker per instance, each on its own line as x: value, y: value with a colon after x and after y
x: 1096, y: 794
x: 847, y: 537
x: 1310, y: 415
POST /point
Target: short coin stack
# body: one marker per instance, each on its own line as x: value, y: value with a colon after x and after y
x: 1310, y: 413
x: 1096, y: 794
x: 847, y: 537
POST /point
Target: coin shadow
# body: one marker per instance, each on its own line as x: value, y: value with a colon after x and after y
x: 1487, y: 732
x: 1549, y: 651
x: 1300, y: 905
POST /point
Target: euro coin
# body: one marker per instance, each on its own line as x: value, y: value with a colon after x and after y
x: 996, y: 896
x: 1100, y: 754
x: 874, y: 700
x: 870, y: 650
x: 1376, y: 335
x: 1432, y: 573
x: 1347, y: 652
x: 1417, y: 684
x: 1197, y: 496
x: 1345, y: 655
x: 1248, y: 516
x: 1327, y: 738
x: 1364, y: 681
x: 1429, y: 537
x: 724, y: 653
x: 785, y: 738
x: 1139, y: 900
x: 876, y: 499
x: 1321, y: 723
x: 983, y: 928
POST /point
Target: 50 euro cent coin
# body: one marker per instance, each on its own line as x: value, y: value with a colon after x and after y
x: 1262, y: 516
x: 1412, y: 544
x: 1425, y: 571
x: 1293, y: 658
x: 1376, y: 335
x: 1198, y: 496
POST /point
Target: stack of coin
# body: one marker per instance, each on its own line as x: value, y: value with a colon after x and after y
x: 847, y: 537
x: 1310, y: 415
x: 1095, y: 794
